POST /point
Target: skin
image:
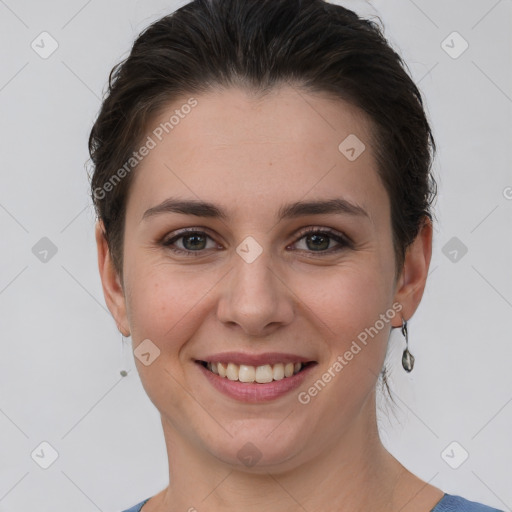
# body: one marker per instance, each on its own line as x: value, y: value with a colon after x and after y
x: 250, y: 156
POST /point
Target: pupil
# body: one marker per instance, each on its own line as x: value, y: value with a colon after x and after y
x: 193, y: 245
x: 319, y: 237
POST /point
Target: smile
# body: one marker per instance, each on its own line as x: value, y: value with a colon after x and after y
x: 255, y: 378
x: 262, y: 374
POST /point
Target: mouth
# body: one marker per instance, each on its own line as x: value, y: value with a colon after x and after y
x: 249, y: 374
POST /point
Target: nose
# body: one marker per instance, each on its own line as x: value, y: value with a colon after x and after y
x: 255, y: 297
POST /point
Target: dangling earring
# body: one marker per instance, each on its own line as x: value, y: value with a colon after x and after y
x: 124, y: 364
x: 407, y: 357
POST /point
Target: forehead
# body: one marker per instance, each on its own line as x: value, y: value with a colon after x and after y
x: 238, y: 150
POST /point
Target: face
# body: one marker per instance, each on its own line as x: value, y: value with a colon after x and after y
x: 255, y: 287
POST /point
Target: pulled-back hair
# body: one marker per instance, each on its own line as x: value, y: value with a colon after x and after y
x: 258, y: 45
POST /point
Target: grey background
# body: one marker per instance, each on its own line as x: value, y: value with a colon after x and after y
x: 61, y: 352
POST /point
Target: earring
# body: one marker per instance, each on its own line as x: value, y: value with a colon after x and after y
x: 124, y: 364
x: 407, y: 357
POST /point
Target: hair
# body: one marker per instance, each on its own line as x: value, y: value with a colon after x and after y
x: 259, y: 45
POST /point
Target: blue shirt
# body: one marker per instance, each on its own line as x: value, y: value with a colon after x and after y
x: 448, y: 503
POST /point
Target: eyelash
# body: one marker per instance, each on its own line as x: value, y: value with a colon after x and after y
x: 342, y: 240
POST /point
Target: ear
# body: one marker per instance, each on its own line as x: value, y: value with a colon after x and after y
x: 111, y: 283
x: 412, y: 280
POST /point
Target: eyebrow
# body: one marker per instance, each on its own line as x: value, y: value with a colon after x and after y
x: 199, y: 208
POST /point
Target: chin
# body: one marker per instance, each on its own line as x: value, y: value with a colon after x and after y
x: 258, y: 452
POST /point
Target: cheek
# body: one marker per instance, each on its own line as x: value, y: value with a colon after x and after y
x: 165, y: 307
x: 352, y: 312
x: 165, y: 304
x: 346, y: 300
x: 354, y: 316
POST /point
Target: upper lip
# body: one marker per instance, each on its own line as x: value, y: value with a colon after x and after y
x: 255, y: 359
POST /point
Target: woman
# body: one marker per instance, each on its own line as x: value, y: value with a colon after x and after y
x: 263, y: 190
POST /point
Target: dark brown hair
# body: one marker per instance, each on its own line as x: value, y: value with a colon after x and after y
x: 257, y: 45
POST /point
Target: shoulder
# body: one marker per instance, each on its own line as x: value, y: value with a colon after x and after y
x: 136, y: 508
x: 453, y: 503
x: 449, y: 503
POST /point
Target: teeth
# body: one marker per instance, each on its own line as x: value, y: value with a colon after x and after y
x: 260, y: 374
x: 221, y: 369
x: 246, y: 373
x: 232, y: 371
x: 264, y: 374
x: 278, y: 371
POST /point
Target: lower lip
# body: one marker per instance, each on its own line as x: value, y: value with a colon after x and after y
x: 252, y: 391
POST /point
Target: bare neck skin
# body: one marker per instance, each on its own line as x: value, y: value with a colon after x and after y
x: 356, y: 474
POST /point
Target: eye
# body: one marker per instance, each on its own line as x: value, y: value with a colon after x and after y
x: 319, y: 240
x: 194, y: 241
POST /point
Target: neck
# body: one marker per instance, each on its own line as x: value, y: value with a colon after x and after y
x: 356, y: 473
